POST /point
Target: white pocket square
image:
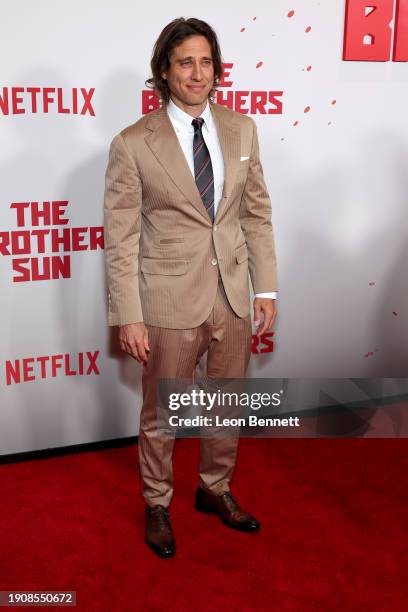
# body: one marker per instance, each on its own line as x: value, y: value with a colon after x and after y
x: 243, y: 158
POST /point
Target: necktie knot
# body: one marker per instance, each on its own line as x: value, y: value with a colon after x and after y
x: 197, y: 123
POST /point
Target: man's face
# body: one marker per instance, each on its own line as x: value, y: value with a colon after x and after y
x: 190, y: 76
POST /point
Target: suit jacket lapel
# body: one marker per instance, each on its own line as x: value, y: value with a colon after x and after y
x: 230, y: 141
x: 163, y: 142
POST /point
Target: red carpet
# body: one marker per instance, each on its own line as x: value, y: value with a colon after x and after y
x: 334, y: 530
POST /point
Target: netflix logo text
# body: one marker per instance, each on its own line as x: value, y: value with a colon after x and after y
x: 244, y: 102
x: 48, y: 237
x: 28, y: 369
x: 22, y: 100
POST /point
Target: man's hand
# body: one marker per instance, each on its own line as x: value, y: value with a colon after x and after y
x: 133, y: 339
x: 266, y: 307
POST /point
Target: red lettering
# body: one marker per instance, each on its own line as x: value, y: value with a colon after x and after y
x: 58, y: 212
x: 33, y: 91
x: 57, y: 240
x: 254, y: 345
x: 25, y: 249
x: 61, y: 267
x: 240, y: 101
x: 267, y: 342
x: 92, y: 367
x: 41, y: 268
x: 47, y: 99
x: 68, y: 371
x: 16, y: 99
x: 228, y: 101
x: 278, y: 103
x: 4, y: 243
x: 37, y: 213
x: 36, y: 275
x: 4, y: 101
x: 20, y: 209
x: 96, y: 238
x: 78, y: 237
x: 18, y: 266
x: 264, y: 340
x: 226, y: 71
x: 258, y: 102
x: 12, y: 372
x: 55, y: 364
x: 61, y: 108
x: 87, y: 107
x: 367, y: 35
x: 400, y: 53
x: 27, y: 369
x: 81, y: 363
x: 150, y: 101
x: 41, y: 233
x: 43, y: 361
x: 74, y: 101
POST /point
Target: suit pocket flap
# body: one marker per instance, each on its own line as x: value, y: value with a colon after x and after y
x: 241, y: 253
x: 164, y: 266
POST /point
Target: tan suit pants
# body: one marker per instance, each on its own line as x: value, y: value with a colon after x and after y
x: 175, y: 353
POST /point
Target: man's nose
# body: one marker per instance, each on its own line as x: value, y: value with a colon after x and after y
x: 197, y: 71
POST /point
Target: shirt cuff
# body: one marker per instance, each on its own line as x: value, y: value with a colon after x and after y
x: 272, y: 294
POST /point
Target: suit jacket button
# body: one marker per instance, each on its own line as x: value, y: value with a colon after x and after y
x: 214, y: 262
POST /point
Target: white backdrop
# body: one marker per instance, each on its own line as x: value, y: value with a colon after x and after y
x: 337, y: 176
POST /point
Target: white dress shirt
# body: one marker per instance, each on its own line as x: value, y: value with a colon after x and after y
x: 181, y: 122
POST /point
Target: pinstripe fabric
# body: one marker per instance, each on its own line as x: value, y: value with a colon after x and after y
x: 165, y: 259
x: 175, y: 354
x: 160, y: 244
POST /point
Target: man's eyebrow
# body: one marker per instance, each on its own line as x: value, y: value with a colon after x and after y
x: 183, y: 59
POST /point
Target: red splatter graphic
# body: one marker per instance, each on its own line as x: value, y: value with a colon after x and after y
x: 308, y: 29
x: 395, y: 313
x: 307, y: 109
x: 290, y: 14
x: 309, y: 68
x: 333, y: 102
x: 369, y: 354
x: 371, y: 283
x: 253, y: 18
x: 242, y: 30
x: 296, y: 123
x: 259, y: 64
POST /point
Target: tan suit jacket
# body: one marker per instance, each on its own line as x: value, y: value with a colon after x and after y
x: 162, y: 251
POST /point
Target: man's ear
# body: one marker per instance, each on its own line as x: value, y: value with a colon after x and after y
x: 164, y: 76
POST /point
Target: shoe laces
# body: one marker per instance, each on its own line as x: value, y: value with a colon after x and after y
x: 232, y: 502
x: 162, y: 515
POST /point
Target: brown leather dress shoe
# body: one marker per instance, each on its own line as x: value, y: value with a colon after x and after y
x: 227, y: 508
x: 159, y: 534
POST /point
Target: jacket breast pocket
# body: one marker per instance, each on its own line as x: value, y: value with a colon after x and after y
x: 162, y: 241
x: 166, y: 267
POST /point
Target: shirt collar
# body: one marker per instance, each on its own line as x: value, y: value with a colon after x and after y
x: 182, y: 120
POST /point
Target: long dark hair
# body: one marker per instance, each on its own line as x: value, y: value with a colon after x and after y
x: 173, y: 35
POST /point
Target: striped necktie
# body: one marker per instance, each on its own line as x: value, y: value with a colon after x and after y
x: 203, y: 172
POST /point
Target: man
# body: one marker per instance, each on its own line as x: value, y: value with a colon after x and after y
x: 187, y: 213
